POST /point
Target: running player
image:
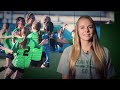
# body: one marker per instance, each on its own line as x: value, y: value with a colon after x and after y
x: 22, y: 50
x: 7, y: 42
x: 36, y: 35
x: 20, y: 23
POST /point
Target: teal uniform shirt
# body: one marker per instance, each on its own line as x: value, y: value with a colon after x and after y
x: 37, y: 53
x: 7, y: 42
x: 16, y: 29
x: 56, y: 28
x: 22, y: 57
x: 70, y: 41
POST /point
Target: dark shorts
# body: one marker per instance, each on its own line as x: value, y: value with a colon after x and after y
x: 10, y: 56
x: 43, y: 55
x: 35, y: 63
x: 13, y: 68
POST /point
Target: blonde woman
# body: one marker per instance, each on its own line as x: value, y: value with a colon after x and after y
x: 86, y: 58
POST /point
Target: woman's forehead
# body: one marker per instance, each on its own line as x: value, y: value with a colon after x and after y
x: 85, y: 21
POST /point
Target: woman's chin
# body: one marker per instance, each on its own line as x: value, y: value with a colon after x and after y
x: 86, y: 39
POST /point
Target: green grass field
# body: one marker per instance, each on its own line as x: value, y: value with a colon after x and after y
x: 40, y: 73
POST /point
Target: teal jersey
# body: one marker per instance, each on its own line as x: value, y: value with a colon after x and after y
x: 7, y: 42
x: 26, y: 25
x: 70, y: 41
x: 56, y: 28
x: 43, y: 32
x: 37, y: 53
x: 16, y: 29
x: 34, y: 36
x: 23, y: 57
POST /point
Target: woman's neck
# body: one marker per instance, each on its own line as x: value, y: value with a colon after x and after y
x: 86, y: 45
x: 30, y: 24
x: 19, y: 27
x: 34, y: 30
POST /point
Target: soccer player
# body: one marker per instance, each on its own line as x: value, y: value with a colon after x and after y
x: 20, y: 23
x: 6, y: 40
x: 22, y: 50
x: 36, y: 35
x: 30, y: 18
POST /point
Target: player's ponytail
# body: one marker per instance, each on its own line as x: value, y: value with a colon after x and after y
x: 24, y: 41
x: 37, y: 26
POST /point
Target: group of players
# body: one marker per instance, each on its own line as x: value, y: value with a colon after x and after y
x: 27, y: 45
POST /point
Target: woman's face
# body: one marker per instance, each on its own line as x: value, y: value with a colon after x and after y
x: 85, y: 29
x: 45, y: 28
x: 31, y: 20
x: 46, y: 19
x: 5, y: 27
x: 21, y: 24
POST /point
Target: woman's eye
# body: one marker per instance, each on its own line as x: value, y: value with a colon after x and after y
x: 91, y: 27
x: 81, y: 27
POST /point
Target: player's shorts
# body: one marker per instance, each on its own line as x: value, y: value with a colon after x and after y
x: 43, y: 55
x: 10, y: 56
x: 35, y: 63
x: 13, y: 68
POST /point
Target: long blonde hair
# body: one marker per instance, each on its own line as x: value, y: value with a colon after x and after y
x: 97, y: 51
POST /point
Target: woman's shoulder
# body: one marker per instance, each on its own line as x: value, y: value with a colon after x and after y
x: 107, y: 52
x: 69, y: 48
x: 106, y: 49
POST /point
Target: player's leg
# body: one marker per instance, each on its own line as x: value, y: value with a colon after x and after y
x: 9, y: 71
x: 19, y: 74
x: 43, y: 59
x: 9, y: 58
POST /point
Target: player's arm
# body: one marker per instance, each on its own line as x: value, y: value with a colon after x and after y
x: 6, y: 49
x: 63, y: 28
x: 14, y: 49
x: 15, y: 30
x: 15, y: 35
x: 8, y: 37
x: 64, y: 41
x: 45, y: 41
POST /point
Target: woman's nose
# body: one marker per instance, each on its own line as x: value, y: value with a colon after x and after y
x: 86, y: 29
